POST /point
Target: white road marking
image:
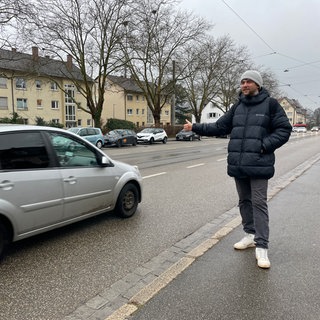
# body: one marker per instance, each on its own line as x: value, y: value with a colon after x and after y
x: 154, y: 175
x: 196, y: 165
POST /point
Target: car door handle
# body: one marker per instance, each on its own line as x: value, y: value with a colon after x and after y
x: 71, y: 180
x: 6, y: 185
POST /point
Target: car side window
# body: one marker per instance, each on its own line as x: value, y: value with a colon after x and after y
x: 71, y: 152
x: 23, y: 150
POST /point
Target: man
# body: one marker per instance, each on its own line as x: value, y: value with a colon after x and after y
x: 257, y: 125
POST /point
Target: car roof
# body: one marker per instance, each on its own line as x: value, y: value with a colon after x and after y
x: 19, y: 127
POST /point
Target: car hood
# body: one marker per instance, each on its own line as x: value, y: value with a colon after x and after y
x: 144, y: 134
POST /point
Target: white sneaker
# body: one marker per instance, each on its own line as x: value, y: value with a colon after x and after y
x: 246, y: 242
x: 262, y: 258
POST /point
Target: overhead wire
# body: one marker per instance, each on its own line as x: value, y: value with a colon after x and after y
x: 273, y: 52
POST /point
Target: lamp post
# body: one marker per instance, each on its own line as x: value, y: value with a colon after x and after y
x: 173, y: 101
x: 125, y: 23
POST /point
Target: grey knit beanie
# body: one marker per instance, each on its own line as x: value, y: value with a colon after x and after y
x: 254, y: 76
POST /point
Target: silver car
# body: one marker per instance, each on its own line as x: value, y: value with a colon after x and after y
x: 50, y: 177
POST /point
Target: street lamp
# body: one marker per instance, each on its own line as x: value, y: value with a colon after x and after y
x: 125, y: 23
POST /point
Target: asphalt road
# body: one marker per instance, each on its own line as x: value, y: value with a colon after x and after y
x: 185, y: 187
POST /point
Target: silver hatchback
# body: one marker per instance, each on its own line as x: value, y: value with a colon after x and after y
x: 50, y: 177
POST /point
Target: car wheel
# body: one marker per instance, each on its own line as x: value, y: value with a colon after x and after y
x: 127, y: 202
x: 191, y: 138
x: 4, y: 240
x: 119, y: 144
x: 134, y: 142
x: 165, y: 140
x: 151, y: 141
x: 99, y: 144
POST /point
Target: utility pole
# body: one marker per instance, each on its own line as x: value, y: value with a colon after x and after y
x: 173, y: 101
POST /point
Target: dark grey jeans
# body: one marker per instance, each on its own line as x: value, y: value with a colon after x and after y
x: 254, y: 208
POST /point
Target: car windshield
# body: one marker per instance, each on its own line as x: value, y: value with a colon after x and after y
x: 74, y: 130
x: 148, y: 130
x: 113, y: 133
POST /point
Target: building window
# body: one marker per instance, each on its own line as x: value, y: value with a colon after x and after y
x: 54, y: 104
x: 137, y: 97
x: 166, y: 112
x: 38, y: 84
x: 21, y: 83
x: 3, y: 83
x: 88, y: 122
x: 129, y: 112
x: 79, y: 122
x: 142, y: 111
x: 137, y: 111
x: 79, y: 106
x: 22, y: 104
x: 3, y: 103
x: 129, y: 97
x: 53, y: 86
x: 55, y: 121
x: 212, y: 115
x: 39, y: 103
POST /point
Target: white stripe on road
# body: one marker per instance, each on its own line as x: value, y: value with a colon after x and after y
x: 154, y: 175
x: 196, y: 165
x: 223, y: 159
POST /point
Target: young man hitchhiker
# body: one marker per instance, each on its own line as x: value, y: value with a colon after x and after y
x: 257, y: 125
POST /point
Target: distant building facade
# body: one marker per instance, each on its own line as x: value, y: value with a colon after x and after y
x: 125, y: 100
x: 295, y: 112
x: 33, y: 86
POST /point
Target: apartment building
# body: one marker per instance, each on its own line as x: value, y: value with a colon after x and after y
x: 35, y: 86
x: 125, y: 100
x: 295, y: 112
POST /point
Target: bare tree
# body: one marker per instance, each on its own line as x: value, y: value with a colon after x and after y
x: 88, y: 30
x: 208, y: 74
x: 156, y: 38
x: 10, y: 10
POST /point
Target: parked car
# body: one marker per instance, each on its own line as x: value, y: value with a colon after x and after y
x: 316, y: 129
x: 51, y: 177
x: 299, y: 129
x: 187, y: 135
x: 93, y: 135
x: 151, y: 135
x: 120, y: 137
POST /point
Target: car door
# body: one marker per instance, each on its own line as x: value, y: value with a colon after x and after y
x: 31, y: 191
x: 88, y: 187
x: 158, y: 135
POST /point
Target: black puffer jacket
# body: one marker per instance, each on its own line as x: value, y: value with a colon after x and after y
x: 257, y: 126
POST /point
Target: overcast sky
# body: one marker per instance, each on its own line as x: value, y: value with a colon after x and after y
x: 280, y: 35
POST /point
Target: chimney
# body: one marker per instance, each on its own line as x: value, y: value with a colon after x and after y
x: 69, y: 62
x: 14, y: 50
x: 35, y: 53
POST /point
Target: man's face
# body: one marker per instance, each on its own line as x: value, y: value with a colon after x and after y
x: 249, y: 87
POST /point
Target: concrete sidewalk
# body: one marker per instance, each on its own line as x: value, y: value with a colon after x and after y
x: 225, y: 283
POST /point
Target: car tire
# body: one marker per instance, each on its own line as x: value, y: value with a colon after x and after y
x: 151, y: 141
x: 99, y: 144
x: 119, y: 144
x: 134, y: 142
x: 127, y: 202
x: 164, y: 140
x: 4, y: 240
x: 191, y: 138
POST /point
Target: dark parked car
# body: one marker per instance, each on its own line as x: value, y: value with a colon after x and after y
x: 187, y: 135
x: 120, y: 137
